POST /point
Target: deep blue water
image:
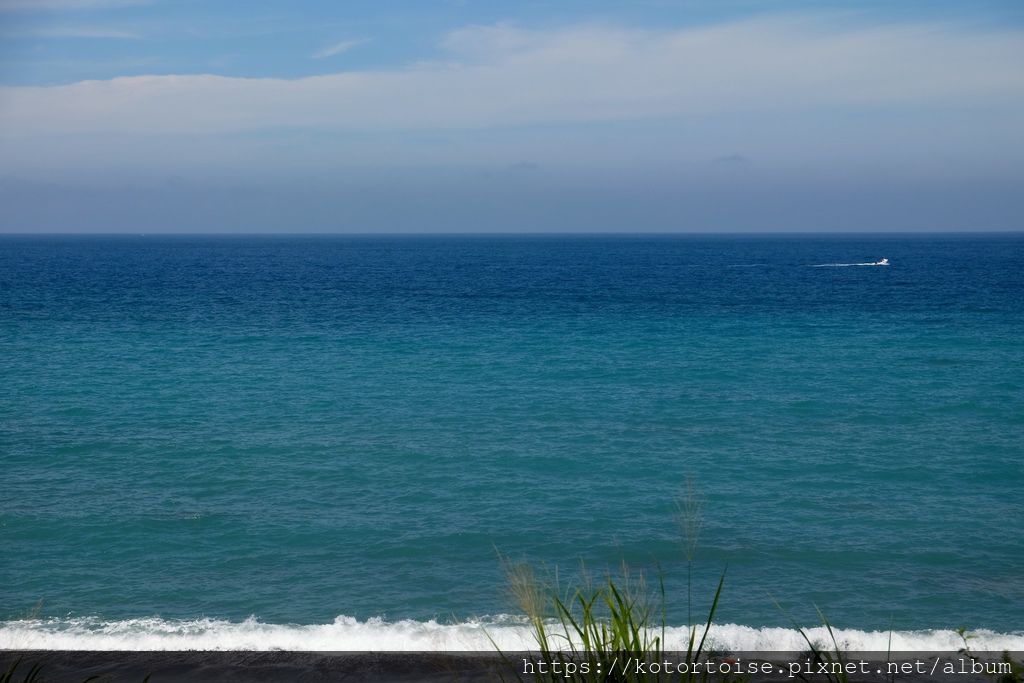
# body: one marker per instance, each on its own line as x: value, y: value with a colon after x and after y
x: 301, y: 427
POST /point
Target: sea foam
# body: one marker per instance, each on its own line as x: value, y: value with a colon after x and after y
x: 504, y: 632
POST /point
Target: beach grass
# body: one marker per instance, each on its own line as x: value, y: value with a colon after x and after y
x: 598, y: 630
x: 590, y: 632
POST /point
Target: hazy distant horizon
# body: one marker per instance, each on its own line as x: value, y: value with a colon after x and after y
x: 508, y: 117
x: 536, y: 233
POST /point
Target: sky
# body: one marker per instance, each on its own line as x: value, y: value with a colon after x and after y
x: 148, y: 116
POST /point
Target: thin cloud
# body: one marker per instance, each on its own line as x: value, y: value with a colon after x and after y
x: 54, y: 5
x: 337, y: 48
x: 574, y: 75
x: 85, y: 32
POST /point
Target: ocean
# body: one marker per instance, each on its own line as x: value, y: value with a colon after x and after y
x: 337, y: 442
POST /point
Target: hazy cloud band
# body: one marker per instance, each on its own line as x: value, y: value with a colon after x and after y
x: 506, y: 76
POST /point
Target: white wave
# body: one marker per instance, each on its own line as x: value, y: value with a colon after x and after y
x: 504, y: 632
x: 846, y: 265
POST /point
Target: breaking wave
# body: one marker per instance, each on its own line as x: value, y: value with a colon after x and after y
x: 505, y: 632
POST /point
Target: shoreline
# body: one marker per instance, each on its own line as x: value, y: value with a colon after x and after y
x: 509, y: 633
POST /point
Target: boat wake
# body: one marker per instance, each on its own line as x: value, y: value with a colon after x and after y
x: 881, y: 262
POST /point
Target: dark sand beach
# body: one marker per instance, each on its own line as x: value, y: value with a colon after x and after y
x: 122, y: 667
x: 413, y: 667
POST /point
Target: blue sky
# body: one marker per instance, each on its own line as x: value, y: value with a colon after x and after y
x: 664, y: 115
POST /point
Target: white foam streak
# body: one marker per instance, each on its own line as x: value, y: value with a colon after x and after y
x: 504, y: 632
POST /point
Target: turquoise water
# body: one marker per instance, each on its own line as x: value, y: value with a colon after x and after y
x: 300, y: 428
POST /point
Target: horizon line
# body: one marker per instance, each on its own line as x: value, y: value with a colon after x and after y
x: 503, y: 233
